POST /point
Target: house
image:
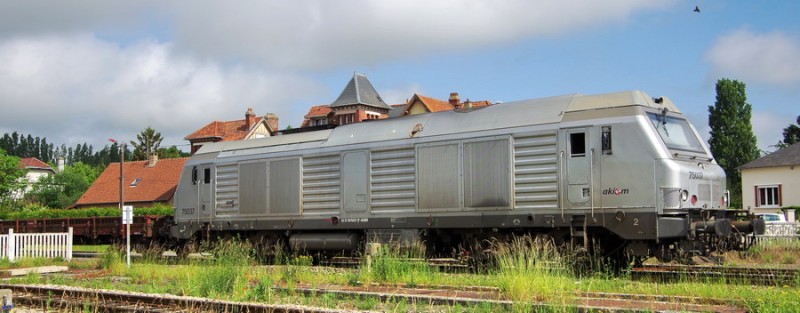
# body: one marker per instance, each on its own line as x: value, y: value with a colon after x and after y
x: 34, y: 170
x: 419, y: 104
x: 772, y: 182
x: 145, y: 183
x: 359, y: 101
x: 317, y: 116
x: 248, y: 128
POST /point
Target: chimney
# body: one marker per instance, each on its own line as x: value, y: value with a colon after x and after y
x: 60, y: 164
x: 152, y: 160
x: 272, y: 121
x: 468, y: 104
x: 453, y: 100
x: 249, y: 118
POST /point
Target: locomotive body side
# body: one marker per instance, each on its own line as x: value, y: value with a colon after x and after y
x: 621, y: 168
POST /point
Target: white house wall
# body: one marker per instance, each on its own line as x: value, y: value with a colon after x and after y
x: 786, y: 176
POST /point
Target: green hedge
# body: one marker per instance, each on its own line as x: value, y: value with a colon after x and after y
x: 77, y: 213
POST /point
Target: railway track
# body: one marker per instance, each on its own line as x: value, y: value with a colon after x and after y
x: 59, y: 298
x: 740, y: 275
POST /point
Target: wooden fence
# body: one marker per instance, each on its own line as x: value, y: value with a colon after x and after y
x: 41, y: 245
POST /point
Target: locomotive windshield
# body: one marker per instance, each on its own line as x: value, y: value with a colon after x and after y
x: 676, y: 133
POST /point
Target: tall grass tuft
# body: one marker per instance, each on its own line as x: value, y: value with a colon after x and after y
x: 225, y: 271
x: 533, y: 269
x: 113, y: 260
x: 399, y: 265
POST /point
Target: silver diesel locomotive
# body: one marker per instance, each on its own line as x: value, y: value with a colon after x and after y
x: 623, y: 172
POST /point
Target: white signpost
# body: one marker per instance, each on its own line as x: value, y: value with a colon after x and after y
x: 127, y: 220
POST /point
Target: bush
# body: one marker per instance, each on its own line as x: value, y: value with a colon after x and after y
x: 37, y: 212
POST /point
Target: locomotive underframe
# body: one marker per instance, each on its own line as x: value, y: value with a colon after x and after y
x: 637, y: 234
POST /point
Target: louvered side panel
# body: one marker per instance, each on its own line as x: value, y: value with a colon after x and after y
x: 393, y: 185
x: 227, y: 189
x: 321, y: 184
x: 535, y: 171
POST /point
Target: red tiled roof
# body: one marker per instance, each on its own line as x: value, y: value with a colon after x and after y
x: 317, y: 111
x: 156, y: 184
x: 33, y: 163
x: 482, y: 103
x: 433, y: 104
x: 230, y: 130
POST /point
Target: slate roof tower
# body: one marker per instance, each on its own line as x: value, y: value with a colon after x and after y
x: 358, y: 101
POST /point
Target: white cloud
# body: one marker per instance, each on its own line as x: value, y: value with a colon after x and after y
x: 93, y: 89
x: 324, y: 34
x: 319, y: 34
x: 771, y: 58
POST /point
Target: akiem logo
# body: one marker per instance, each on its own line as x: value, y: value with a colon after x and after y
x: 616, y: 191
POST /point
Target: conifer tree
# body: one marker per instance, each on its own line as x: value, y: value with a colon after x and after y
x: 732, y: 141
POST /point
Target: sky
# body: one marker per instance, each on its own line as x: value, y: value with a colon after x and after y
x: 86, y: 71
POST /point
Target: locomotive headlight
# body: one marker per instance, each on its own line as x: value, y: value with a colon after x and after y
x: 684, y: 195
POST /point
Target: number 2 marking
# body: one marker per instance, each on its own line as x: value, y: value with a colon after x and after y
x: 635, y: 222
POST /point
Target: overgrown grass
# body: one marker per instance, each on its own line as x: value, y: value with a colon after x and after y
x: 772, y: 252
x: 532, y: 270
x: 528, y: 271
x: 394, y: 264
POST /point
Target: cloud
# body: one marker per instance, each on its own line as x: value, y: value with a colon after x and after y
x: 319, y: 34
x: 770, y: 58
x: 94, y: 89
x: 326, y: 34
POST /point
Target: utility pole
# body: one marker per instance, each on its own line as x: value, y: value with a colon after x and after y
x: 122, y: 201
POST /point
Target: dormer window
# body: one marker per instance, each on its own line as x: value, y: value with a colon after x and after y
x: 135, y: 182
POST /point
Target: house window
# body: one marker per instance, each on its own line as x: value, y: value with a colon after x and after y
x: 135, y: 182
x: 768, y: 196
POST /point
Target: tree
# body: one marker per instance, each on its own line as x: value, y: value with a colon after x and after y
x: 148, y: 142
x: 63, y: 189
x: 732, y: 141
x: 791, y: 134
x: 171, y: 153
x: 10, y: 174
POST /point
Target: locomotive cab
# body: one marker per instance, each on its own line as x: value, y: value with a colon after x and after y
x: 692, y: 186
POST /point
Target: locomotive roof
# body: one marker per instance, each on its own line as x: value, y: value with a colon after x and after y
x: 506, y: 115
